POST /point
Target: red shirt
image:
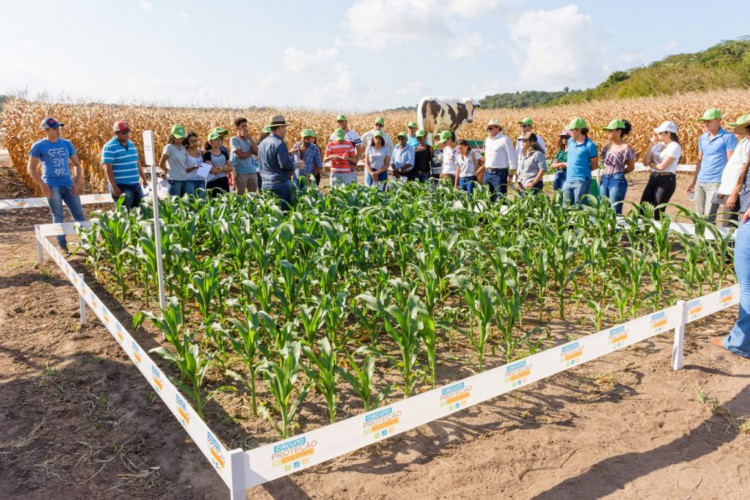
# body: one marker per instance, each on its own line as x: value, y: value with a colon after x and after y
x: 344, y: 149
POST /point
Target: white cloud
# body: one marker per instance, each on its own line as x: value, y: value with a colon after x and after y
x: 672, y: 44
x: 476, y: 8
x: 184, y: 14
x: 559, y: 47
x: 299, y: 60
x: 467, y: 45
x: 411, y: 89
x: 145, y: 5
x: 377, y: 24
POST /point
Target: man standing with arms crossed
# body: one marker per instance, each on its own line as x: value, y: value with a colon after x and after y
x: 715, y: 147
x: 499, y: 159
x: 55, y: 154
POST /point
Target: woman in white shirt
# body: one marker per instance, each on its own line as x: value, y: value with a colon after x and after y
x: 663, y: 156
x: 729, y: 190
x: 447, y: 144
x: 467, y: 162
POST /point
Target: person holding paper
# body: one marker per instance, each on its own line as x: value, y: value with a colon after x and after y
x: 196, y: 184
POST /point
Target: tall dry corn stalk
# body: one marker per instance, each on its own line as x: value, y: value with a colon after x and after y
x: 89, y: 126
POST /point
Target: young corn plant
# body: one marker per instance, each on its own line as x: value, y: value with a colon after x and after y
x: 325, y: 374
x: 481, y: 300
x: 246, y: 343
x: 362, y: 379
x: 281, y: 379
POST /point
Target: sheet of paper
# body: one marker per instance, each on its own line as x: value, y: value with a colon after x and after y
x: 204, y: 170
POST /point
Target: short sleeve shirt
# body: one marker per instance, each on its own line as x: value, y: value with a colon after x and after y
x: 344, y: 149
x: 351, y: 136
x: 124, y: 161
x: 616, y: 161
x: 671, y: 150
x: 579, y: 159
x: 54, y: 158
x: 176, y: 160
x: 714, y: 151
x: 242, y: 166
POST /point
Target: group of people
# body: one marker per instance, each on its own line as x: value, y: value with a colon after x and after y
x: 721, y: 175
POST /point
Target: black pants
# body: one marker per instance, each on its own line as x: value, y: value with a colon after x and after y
x: 218, y: 186
x: 659, y: 189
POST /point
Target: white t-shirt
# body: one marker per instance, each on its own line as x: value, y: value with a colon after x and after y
x: 468, y: 164
x: 449, y: 160
x: 672, y: 150
x: 499, y: 152
x: 733, y: 169
x: 176, y: 159
x: 351, y: 136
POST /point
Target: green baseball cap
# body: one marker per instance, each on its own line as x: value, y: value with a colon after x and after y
x: 402, y: 135
x: 214, y: 135
x: 379, y: 120
x: 178, y: 131
x: 308, y: 132
x: 412, y: 125
x: 266, y: 129
x: 444, y: 136
x: 526, y: 121
x: 615, y: 125
x: 378, y: 133
x: 740, y: 126
x: 710, y: 114
x: 421, y: 133
x: 340, y: 134
x: 221, y: 131
x: 577, y: 123
x: 341, y: 118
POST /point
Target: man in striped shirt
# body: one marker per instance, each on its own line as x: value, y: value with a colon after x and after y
x: 343, y: 157
x: 121, y: 163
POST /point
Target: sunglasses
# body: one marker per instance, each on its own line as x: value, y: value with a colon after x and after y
x: 491, y: 128
x: 378, y: 124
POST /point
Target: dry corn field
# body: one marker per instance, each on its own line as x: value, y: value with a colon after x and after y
x: 88, y: 126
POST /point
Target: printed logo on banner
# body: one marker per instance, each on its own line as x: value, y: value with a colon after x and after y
x: 725, y: 297
x: 659, y: 321
x: 617, y: 336
x: 136, y: 351
x: 694, y: 309
x: 571, y: 353
x: 293, y: 454
x: 455, y: 396
x: 381, y: 423
x: 118, y: 332
x: 518, y: 373
x: 156, y: 377
x: 217, y: 454
x: 182, y: 411
x: 22, y: 203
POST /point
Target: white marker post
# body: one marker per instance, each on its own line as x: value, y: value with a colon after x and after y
x: 148, y: 150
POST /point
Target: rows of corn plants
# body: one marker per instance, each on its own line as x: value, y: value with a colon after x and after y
x: 378, y: 295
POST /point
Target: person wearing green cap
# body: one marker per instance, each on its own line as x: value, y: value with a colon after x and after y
x: 377, y: 161
x: 411, y: 138
x: 527, y: 125
x: 423, y: 155
x: 215, y: 154
x: 619, y: 159
x: 173, y: 161
x: 732, y: 177
x: 402, y: 159
x: 307, y: 152
x: 343, y: 158
x: 715, y: 147
x: 446, y: 143
x: 367, y: 137
x: 350, y: 135
x: 243, y: 155
x: 583, y: 158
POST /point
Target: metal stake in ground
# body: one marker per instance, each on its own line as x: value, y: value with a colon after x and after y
x: 148, y: 150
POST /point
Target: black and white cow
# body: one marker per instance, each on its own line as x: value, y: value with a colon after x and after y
x: 435, y: 114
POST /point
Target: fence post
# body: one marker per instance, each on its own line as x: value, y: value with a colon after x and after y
x: 39, y: 249
x: 678, y: 358
x: 82, y: 301
x: 237, y: 462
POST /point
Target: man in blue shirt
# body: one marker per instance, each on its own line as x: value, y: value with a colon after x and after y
x: 402, y: 159
x: 121, y: 163
x: 276, y: 166
x: 412, y: 140
x: 715, y: 147
x: 55, y: 154
x: 583, y: 158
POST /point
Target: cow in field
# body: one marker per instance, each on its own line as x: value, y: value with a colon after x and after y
x: 435, y: 114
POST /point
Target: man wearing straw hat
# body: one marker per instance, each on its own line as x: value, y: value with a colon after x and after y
x: 499, y: 159
x: 276, y: 166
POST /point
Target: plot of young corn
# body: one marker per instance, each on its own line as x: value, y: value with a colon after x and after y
x: 89, y: 125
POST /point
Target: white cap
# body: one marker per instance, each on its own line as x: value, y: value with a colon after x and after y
x: 666, y: 127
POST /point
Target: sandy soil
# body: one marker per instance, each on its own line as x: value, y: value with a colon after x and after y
x: 77, y: 419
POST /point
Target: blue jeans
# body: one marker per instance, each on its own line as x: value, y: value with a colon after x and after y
x: 467, y: 183
x: 382, y: 178
x: 178, y: 188
x: 560, y: 175
x: 193, y: 188
x: 738, y: 340
x: 614, y: 187
x: 497, y: 180
x: 575, y: 190
x: 73, y: 202
x: 131, y: 195
x: 283, y: 191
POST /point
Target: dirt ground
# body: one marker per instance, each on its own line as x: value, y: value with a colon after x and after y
x: 78, y: 420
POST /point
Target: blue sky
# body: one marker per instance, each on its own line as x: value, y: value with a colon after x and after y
x: 352, y: 56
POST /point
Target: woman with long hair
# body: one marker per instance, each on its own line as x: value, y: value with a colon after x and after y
x: 560, y: 163
x: 196, y: 185
x: 377, y: 161
x: 173, y: 160
x: 467, y: 161
x: 422, y: 158
x: 619, y: 159
x: 663, y: 156
x: 218, y: 156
